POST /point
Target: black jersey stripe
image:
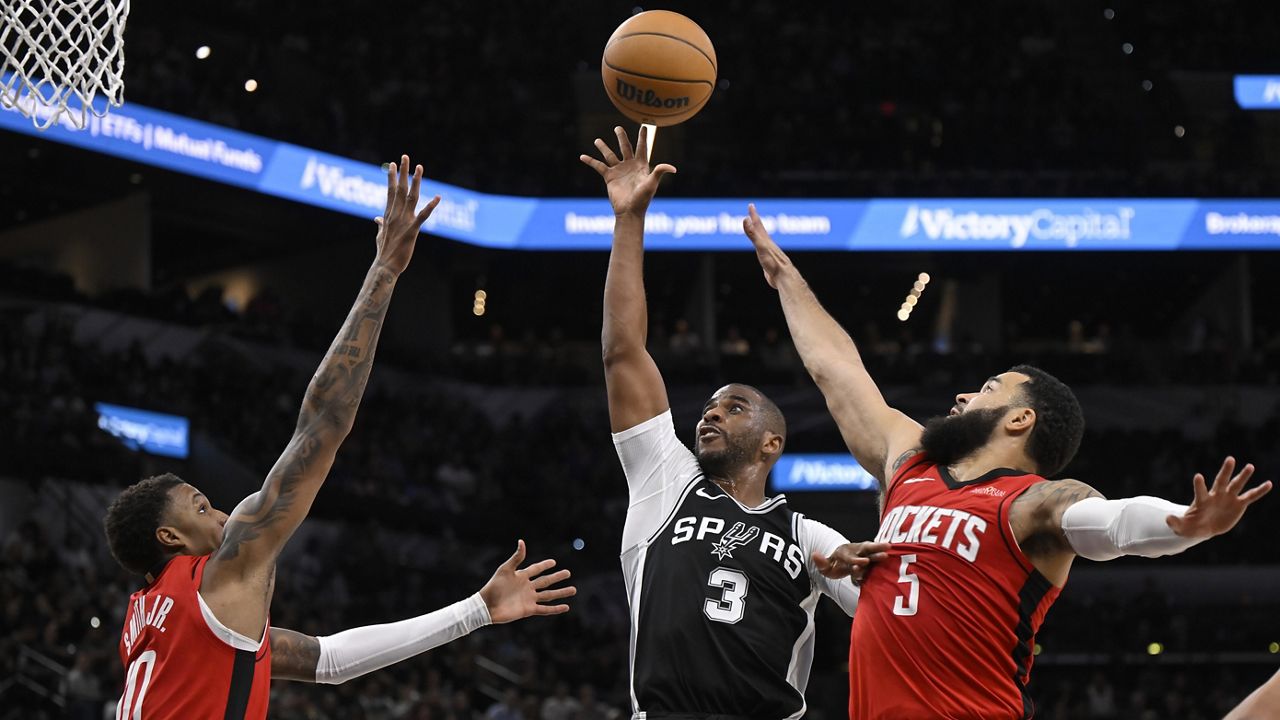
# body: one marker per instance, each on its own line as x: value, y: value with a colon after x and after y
x: 674, y: 509
x: 1033, y: 591
x: 241, y: 684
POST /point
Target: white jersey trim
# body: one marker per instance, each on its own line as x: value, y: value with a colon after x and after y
x: 226, y: 634
x: 802, y: 655
x: 814, y: 536
x: 634, y: 580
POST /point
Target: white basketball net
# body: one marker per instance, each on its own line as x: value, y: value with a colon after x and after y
x: 59, y: 55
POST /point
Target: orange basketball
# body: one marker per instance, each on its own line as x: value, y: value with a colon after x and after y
x: 659, y: 67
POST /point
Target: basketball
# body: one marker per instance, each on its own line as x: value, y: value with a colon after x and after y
x: 659, y: 68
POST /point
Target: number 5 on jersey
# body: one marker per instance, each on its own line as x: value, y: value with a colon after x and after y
x: 909, y: 604
x: 733, y: 592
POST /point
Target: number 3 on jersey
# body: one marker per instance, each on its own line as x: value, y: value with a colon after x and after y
x: 733, y: 592
x: 912, y: 599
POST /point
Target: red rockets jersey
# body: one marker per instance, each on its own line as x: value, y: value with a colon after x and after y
x: 181, y: 662
x: 946, y: 626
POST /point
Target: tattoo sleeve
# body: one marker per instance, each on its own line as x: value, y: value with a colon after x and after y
x: 294, y: 656
x: 893, y: 470
x: 1036, y: 516
x: 268, y: 518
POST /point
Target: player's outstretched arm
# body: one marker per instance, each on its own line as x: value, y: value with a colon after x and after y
x: 634, y: 385
x: 1262, y: 704
x: 1058, y: 520
x: 877, y: 435
x: 511, y: 594
x: 261, y: 524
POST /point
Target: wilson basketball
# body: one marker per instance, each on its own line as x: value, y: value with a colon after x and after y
x: 659, y: 67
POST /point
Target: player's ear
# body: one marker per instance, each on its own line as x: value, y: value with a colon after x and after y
x: 1020, y: 420
x: 170, y: 538
x: 772, y: 445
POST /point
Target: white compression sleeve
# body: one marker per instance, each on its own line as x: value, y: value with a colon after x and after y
x: 1101, y: 529
x: 352, y: 653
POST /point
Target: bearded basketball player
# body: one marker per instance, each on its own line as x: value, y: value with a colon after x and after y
x: 722, y: 581
x: 198, y: 642
x: 981, y: 542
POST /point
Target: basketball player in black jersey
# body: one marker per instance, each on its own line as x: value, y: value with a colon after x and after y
x: 722, y: 581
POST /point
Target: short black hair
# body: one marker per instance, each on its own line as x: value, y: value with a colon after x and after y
x: 1059, y: 420
x: 771, y: 418
x: 132, y: 519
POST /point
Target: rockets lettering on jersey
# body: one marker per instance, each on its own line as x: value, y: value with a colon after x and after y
x: 780, y: 550
x: 934, y: 526
x: 956, y: 582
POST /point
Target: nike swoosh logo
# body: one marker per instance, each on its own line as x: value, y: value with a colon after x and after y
x: 704, y: 494
x: 915, y: 480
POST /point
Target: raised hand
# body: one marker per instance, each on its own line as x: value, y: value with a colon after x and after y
x: 851, y: 560
x: 513, y: 593
x: 398, y: 229
x: 773, y: 261
x: 630, y: 181
x: 1217, y: 510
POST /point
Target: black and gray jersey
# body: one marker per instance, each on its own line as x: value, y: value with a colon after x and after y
x: 722, y: 596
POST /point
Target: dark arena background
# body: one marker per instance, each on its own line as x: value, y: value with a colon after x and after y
x: 142, y: 268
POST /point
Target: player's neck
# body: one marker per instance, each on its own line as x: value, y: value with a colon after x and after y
x: 990, y: 458
x: 745, y: 488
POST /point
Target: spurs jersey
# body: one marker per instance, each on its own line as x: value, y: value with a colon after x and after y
x: 180, y: 662
x: 946, y: 626
x: 721, y: 595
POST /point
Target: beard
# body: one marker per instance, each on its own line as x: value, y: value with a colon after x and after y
x: 951, y: 438
x: 723, y: 461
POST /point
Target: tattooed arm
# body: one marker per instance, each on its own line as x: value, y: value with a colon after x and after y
x: 876, y: 434
x: 293, y: 655
x: 1036, y: 520
x: 238, y: 578
x: 1057, y: 520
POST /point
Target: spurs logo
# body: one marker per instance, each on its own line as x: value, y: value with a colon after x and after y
x: 739, y: 535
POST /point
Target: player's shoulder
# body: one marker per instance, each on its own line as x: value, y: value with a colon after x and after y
x: 911, y: 461
x: 1060, y: 490
x: 1047, y: 499
x: 815, y: 532
x: 660, y: 424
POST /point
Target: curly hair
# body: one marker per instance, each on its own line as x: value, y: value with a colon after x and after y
x: 132, y: 519
x: 1059, y: 420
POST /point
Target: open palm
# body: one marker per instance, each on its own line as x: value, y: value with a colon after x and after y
x: 1216, y: 510
x: 629, y: 179
x: 514, y: 592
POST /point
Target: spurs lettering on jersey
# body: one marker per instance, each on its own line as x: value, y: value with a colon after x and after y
x: 950, y: 528
x: 143, y: 616
x: 723, y: 544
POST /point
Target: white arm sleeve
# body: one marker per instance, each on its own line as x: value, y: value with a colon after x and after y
x: 1101, y: 529
x: 814, y: 535
x: 658, y: 468
x: 352, y: 653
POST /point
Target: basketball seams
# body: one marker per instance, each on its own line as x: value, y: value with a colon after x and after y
x: 624, y: 71
x: 701, y: 52
x: 669, y: 70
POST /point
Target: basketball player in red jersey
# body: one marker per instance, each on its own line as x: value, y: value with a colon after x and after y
x: 197, y: 640
x: 981, y: 544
